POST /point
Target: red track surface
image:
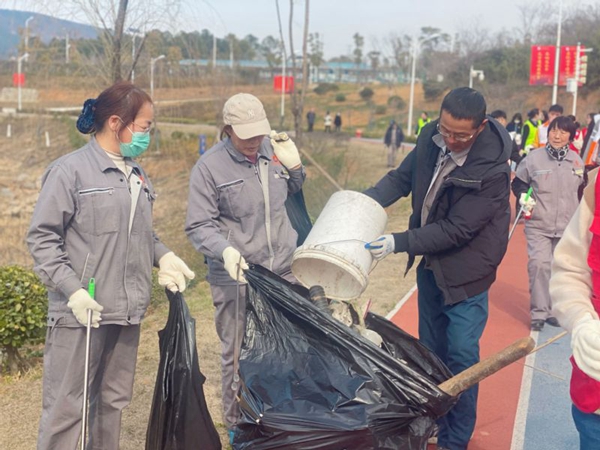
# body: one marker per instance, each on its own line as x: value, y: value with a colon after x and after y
x: 508, y: 321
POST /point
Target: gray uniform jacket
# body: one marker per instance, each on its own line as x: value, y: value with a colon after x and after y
x: 233, y: 202
x: 79, y: 230
x: 555, y: 185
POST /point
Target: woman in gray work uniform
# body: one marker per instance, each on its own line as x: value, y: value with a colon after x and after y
x: 236, y: 214
x: 93, y: 219
x: 554, y: 172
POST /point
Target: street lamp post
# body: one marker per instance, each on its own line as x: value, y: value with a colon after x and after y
x: 475, y: 73
x: 416, y: 44
x: 27, y: 33
x: 557, y: 54
x: 19, y: 61
x: 134, y: 32
x: 578, y: 61
x: 152, y: 63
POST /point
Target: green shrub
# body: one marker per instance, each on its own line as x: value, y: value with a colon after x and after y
x: 178, y: 135
x: 397, y: 102
x: 366, y: 93
x: 324, y: 88
x: 76, y: 139
x: 340, y: 97
x: 23, y: 311
x: 433, y: 90
x: 380, y: 109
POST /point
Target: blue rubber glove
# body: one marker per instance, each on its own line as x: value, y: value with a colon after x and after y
x: 382, y: 246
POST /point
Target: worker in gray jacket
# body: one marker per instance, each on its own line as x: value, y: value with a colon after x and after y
x: 93, y: 219
x: 236, y: 214
x: 554, y: 172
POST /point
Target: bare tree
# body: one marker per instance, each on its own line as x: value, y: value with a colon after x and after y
x: 113, y: 19
x: 298, y: 100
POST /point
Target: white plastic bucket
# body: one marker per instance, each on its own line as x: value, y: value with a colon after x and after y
x: 333, y: 255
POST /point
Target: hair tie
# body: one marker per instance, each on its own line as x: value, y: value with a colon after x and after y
x: 85, y: 122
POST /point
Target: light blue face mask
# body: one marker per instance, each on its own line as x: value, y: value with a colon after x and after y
x: 138, y: 145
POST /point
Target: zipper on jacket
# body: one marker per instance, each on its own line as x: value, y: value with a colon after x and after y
x: 108, y: 190
x: 265, y: 188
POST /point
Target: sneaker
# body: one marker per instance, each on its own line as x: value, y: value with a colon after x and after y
x: 537, y: 324
x: 552, y: 321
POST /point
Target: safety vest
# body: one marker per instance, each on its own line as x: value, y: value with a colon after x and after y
x: 422, y: 123
x: 585, y: 391
x: 531, y: 132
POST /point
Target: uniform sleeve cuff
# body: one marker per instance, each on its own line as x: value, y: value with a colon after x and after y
x: 401, y: 242
x: 70, y: 286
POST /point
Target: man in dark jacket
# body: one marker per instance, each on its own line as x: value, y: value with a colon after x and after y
x: 460, y: 183
x: 393, y: 140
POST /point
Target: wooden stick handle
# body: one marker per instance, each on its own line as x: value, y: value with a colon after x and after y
x: 483, y: 369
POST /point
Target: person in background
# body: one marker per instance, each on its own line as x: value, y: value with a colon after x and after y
x: 555, y: 174
x: 515, y: 157
x: 236, y: 215
x: 529, y: 131
x: 337, y: 121
x: 574, y: 292
x: 93, y: 219
x: 423, y: 120
x: 310, y: 119
x: 393, y: 140
x: 541, y: 137
x: 587, y: 132
x: 515, y: 128
x: 459, y: 182
x: 577, y: 143
x: 327, y: 122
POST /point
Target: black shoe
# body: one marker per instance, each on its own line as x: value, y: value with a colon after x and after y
x: 537, y: 324
x: 552, y: 321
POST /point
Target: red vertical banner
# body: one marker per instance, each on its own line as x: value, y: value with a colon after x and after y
x: 18, y: 79
x: 568, y: 63
x: 278, y: 84
x: 541, y: 70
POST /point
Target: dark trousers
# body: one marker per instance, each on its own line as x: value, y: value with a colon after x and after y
x: 452, y: 332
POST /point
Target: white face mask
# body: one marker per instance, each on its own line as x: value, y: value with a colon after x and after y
x: 517, y: 121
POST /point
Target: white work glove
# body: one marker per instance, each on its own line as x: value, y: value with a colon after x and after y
x: 234, y: 264
x: 80, y: 302
x: 526, y: 204
x: 525, y: 151
x: 173, y: 272
x: 285, y: 150
x: 585, y: 343
x: 382, y: 246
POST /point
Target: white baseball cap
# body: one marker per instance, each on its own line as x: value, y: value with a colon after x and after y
x: 246, y: 114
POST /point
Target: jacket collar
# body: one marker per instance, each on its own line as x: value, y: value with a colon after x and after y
x: 236, y: 155
x: 102, y: 160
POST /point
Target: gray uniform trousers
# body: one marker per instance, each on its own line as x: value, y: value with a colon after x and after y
x: 540, y: 249
x: 113, y: 353
x: 224, y: 299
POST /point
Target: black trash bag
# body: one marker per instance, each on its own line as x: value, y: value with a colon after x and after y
x: 179, y: 418
x: 310, y: 382
x: 298, y: 215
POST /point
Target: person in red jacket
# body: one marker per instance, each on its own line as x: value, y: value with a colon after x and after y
x: 575, y: 291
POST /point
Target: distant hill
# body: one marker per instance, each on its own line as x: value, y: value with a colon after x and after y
x: 42, y: 26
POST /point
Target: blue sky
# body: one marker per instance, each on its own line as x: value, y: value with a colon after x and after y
x: 335, y: 20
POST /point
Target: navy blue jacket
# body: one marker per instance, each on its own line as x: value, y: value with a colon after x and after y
x: 466, y: 232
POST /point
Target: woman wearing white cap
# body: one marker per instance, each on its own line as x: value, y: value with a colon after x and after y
x: 236, y: 214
